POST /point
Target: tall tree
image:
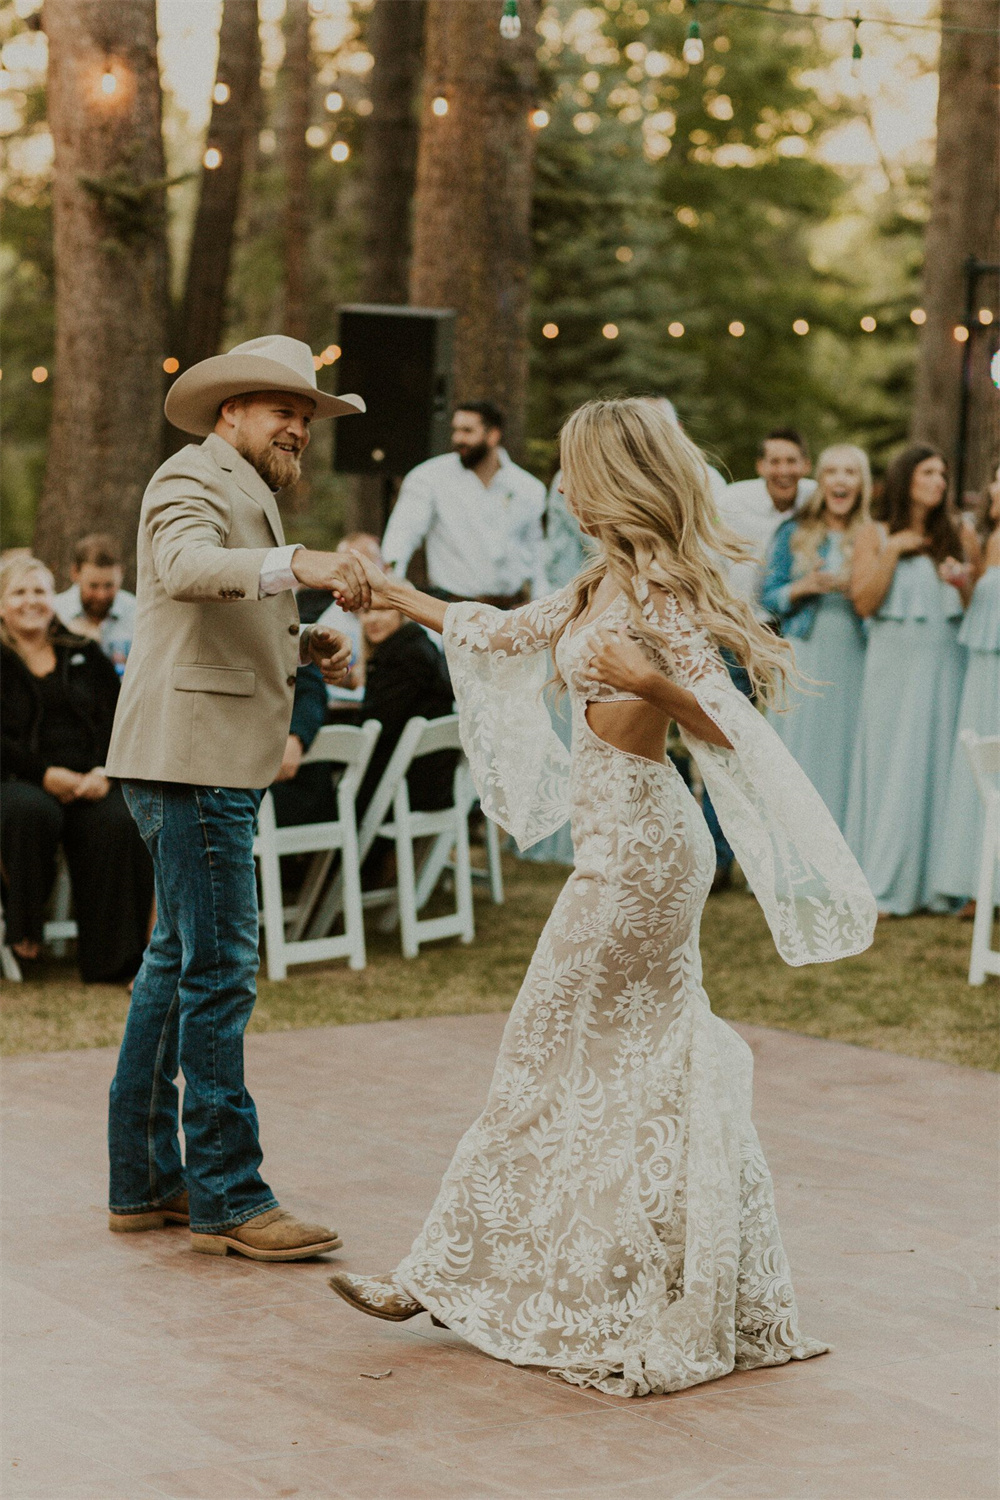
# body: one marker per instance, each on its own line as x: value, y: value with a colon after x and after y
x: 232, y: 133
x: 110, y: 270
x: 395, y: 39
x: 964, y: 222
x: 472, y: 225
x: 295, y: 155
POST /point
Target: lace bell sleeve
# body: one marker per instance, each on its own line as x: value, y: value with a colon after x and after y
x: 817, y: 902
x: 499, y: 663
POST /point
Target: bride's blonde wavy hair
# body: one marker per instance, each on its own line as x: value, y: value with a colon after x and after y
x: 641, y: 489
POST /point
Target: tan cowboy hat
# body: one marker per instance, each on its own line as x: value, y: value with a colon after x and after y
x: 272, y: 363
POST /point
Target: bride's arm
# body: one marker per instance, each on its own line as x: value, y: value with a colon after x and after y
x: 619, y: 662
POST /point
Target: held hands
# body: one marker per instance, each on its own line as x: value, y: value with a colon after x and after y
x: 958, y: 574
x: 340, y: 572
x: 331, y: 651
x: 73, y: 786
x: 380, y: 584
x: 619, y: 662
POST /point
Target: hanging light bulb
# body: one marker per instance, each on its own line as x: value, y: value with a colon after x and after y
x: 694, y: 47
x: 510, y: 21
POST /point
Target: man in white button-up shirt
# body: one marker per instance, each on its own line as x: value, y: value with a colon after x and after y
x: 755, y: 508
x: 477, y: 512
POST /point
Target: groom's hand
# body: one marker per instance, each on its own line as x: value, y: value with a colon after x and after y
x: 340, y: 572
x: 331, y: 651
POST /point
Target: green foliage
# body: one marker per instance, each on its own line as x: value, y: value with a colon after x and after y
x: 692, y: 196
x: 133, y: 207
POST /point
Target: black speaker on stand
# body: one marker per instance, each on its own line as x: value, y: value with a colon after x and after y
x: 400, y: 360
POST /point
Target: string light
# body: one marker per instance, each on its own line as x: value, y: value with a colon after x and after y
x: 171, y: 365
x: 109, y: 84
x: 539, y: 118
x: 550, y: 330
x: 339, y: 151
x: 694, y: 48
x: 737, y: 329
x: 995, y: 369
x: 856, y: 49
x: 801, y: 327
x: 918, y: 316
x: 985, y: 316
x: 510, y: 21
x: 212, y: 158
x: 39, y: 374
x: 316, y: 136
x: 869, y: 324
x: 610, y: 330
x: 675, y: 330
x: 333, y: 102
x: 439, y: 106
x: 624, y: 253
x: 960, y: 334
x: 220, y: 94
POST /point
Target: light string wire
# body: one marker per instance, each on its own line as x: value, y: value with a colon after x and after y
x: 859, y: 20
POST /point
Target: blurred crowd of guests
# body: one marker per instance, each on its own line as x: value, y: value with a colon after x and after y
x: 892, y: 610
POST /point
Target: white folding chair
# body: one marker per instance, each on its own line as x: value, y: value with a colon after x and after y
x: 336, y: 745
x: 390, y: 816
x: 57, y: 931
x: 984, y: 757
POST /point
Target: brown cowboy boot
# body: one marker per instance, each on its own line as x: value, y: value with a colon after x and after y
x: 273, y: 1235
x: 174, y: 1211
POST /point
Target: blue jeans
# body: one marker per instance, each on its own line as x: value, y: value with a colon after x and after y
x: 190, y: 1006
x: 740, y: 678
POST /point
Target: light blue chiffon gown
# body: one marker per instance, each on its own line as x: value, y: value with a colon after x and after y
x: 957, y: 857
x: 914, y: 668
x: 819, y: 727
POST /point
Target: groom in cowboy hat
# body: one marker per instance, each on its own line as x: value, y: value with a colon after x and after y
x: 201, y: 727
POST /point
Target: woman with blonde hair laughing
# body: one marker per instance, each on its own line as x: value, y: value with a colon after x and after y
x: 609, y: 1216
x: 807, y: 588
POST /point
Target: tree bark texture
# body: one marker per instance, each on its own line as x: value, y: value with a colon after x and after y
x: 389, y: 166
x: 472, y: 224
x: 232, y: 131
x: 110, y: 271
x: 297, y: 72
x: 964, y: 222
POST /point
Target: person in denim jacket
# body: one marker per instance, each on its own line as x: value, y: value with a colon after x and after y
x: 806, y: 588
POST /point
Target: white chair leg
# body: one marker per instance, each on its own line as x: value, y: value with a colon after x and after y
x: 354, y: 922
x: 463, y: 878
x: 9, y: 966
x: 319, y: 868
x: 493, y: 861
x: 982, y: 927
x: 406, y: 886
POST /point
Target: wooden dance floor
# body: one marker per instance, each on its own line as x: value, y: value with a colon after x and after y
x: 135, y: 1369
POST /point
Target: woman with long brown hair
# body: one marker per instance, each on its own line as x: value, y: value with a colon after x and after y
x: 610, y: 1214
x: 806, y: 588
x: 912, y: 578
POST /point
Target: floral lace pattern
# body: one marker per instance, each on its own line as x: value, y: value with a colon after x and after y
x: 610, y: 1215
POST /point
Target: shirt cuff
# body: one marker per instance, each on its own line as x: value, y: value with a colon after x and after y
x: 276, y: 572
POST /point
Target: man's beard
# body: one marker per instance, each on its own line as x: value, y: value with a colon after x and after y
x: 277, y: 469
x: 473, y: 456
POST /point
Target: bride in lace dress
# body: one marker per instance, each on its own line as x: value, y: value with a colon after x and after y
x: 610, y: 1216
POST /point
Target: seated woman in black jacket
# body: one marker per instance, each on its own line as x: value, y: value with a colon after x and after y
x: 57, y: 702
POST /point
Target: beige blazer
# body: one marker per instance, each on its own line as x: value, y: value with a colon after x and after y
x: 208, y: 688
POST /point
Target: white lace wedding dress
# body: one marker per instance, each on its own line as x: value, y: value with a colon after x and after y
x: 609, y: 1216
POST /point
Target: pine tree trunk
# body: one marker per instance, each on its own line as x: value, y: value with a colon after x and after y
x: 472, y: 226
x: 395, y: 39
x: 964, y: 222
x: 298, y: 80
x: 233, y: 132
x: 110, y: 271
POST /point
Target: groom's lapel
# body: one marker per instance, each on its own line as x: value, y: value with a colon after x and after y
x: 249, y: 481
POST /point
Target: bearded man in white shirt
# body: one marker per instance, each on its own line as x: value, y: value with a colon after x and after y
x: 755, y: 508
x: 478, y: 514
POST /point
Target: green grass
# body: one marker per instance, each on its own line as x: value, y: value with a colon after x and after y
x: 906, y: 994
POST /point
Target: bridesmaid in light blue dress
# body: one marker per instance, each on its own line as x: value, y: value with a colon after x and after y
x: 566, y: 553
x: 960, y: 848
x: 806, y: 587
x: 910, y: 580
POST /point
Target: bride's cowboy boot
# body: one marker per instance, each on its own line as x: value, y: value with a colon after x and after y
x: 174, y: 1211
x: 273, y: 1235
x: 379, y: 1296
